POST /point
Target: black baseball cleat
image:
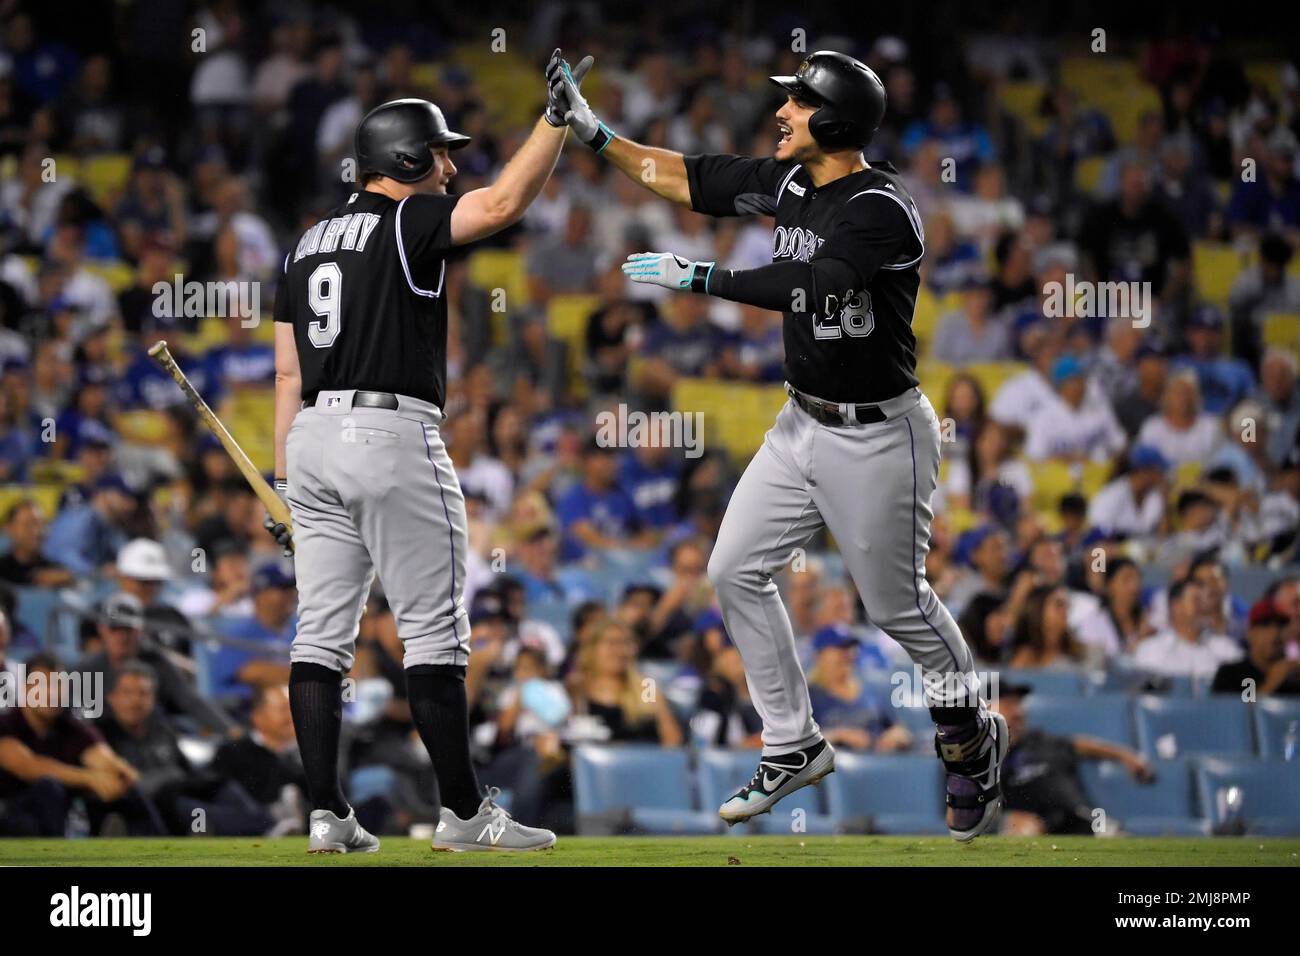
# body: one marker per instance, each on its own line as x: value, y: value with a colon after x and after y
x: 973, y: 754
x: 778, y: 777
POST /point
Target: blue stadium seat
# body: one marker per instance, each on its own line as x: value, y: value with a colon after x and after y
x: 557, y: 614
x: 1275, y: 719
x: 1164, y: 807
x: 1210, y: 726
x: 919, y: 722
x: 646, y: 788
x: 1058, y: 683
x: 721, y: 772
x: 1269, y: 790
x: 901, y: 793
x: 1106, y: 716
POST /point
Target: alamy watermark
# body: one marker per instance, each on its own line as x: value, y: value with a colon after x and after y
x: 79, y: 690
x: 621, y: 428
x: 1082, y: 299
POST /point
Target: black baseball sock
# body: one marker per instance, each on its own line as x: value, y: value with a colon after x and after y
x: 436, y: 693
x: 316, y: 700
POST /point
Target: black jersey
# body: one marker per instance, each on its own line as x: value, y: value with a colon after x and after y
x: 850, y: 345
x: 364, y: 291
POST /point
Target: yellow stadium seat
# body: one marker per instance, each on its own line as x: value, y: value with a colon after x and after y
x: 566, y: 320
x: 1052, y: 480
x: 492, y: 269
x: 1215, y: 266
x: 1088, y: 172
x: 119, y: 275
x: 1268, y: 74
x: 961, y: 520
x: 105, y: 176
x: 1282, y: 331
x: 992, y: 375
x: 1095, y: 476
x: 1187, y: 474
x: 143, y: 426
x: 46, y: 496
x: 1022, y: 100
x: 925, y: 317
x: 66, y: 166
x: 736, y: 415
x: 934, y: 378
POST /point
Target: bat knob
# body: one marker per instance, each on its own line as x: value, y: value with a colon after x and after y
x: 158, y: 348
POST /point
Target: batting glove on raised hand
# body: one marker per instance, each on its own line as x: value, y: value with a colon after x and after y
x: 556, y: 104
x: 578, y: 115
x: 278, y: 529
x: 668, y: 270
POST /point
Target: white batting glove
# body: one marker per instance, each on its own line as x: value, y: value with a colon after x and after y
x: 578, y: 114
x: 668, y: 270
x: 276, y: 529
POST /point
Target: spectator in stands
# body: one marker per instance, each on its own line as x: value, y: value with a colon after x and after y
x: 967, y: 144
x: 1182, y: 432
x: 1133, y: 505
x: 188, y: 800
x: 987, y: 211
x: 650, y: 474
x: 1142, y: 400
x: 965, y: 405
x: 1279, y: 511
x: 1201, y: 527
x: 120, y: 628
x: 984, y: 551
x: 1259, y: 291
x: 986, y: 625
x: 1223, y: 613
x: 1119, y: 623
x: 849, y: 714
x: 1042, y: 636
x: 1134, y: 238
x: 86, y: 539
x: 142, y: 570
x: 1280, y: 394
x: 265, y: 762
x: 1223, y: 381
x: 755, y: 352
x: 1040, y: 778
x: 49, y: 756
x: 1265, y: 669
x: 684, y: 343
x: 1071, y: 428
x: 1185, y: 648
x: 597, y: 515
x: 1271, y: 199
x: 258, y: 654
x: 151, y: 211
x: 725, y: 714
x: 951, y: 262
x: 25, y: 565
x: 609, y: 688
x: 971, y: 333
x: 988, y: 478
x: 564, y: 263
x: 1186, y: 191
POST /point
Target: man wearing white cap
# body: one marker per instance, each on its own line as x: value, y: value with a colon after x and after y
x: 142, y: 571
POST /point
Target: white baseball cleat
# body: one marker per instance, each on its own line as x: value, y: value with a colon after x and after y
x: 326, y: 833
x: 778, y: 777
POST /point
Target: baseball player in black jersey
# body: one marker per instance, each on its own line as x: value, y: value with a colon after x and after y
x: 856, y: 448
x: 360, y: 349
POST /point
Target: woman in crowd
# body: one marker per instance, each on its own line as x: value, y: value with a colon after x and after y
x: 609, y: 687
x: 1042, y: 636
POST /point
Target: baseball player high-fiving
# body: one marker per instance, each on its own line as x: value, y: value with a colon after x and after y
x: 361, y: 365
x: 856, y: 448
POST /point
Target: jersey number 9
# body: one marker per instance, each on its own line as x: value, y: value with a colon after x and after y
x: 325, y: 296
x: 856, y: 319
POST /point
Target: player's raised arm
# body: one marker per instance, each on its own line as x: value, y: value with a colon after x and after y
x: 485, y: 211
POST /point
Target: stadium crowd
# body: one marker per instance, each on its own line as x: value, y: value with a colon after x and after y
x: 1102, y: 495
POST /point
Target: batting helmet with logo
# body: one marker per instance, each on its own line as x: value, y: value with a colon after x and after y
x: 395, y: 139
x: 850, y: 98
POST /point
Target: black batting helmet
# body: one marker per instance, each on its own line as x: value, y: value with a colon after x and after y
x: 850, y: 98
x: 395, y: 138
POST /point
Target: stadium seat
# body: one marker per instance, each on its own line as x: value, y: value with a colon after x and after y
x: 1104, y: 716
x: 1023, y: 99
x: 1268, y: 791
x: 105, y: 176
x: 621, y: 788
x: 1052, y: 480
x: 1215, y: 266
x: 1282, y: 330
x: 1163, y: 807
x: 1088, y: 172
x: 720, y: 772
x: 47, y: 496
x: 901, y: 793
x: 1247, y: 582
x: 1276, y: 720
x: 1056, y: 683
x: 1176, y: 727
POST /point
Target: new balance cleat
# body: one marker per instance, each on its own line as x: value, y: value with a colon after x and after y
x: 778, y: 777
x: 491, y: 828
x: 972, y: 754
x: 326, y: 833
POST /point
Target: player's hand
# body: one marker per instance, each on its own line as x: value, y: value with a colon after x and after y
x: 278, y: 529
x: 564, y: 86
x: 557, y: 103
x: 667, y: 270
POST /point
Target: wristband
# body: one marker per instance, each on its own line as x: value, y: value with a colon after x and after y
x: 604, y: 136
x: 700, y: 273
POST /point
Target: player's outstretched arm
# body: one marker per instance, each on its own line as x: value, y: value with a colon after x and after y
x: 661, y: 171
x: 485, y: 211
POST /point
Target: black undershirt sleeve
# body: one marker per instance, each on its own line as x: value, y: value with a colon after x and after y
x: 803, y: 288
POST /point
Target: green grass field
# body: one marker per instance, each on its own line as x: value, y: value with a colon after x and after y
x: 673, y: 851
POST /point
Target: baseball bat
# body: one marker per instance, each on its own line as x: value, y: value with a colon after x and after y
x: 265, y: 493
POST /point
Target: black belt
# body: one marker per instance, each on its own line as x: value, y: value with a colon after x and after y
x: 828, y: 413
x: 363, y: 400
x: 374, y: 400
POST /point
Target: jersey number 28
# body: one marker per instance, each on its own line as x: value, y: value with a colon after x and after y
x: 855, y: 319
x: 325, y: 296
